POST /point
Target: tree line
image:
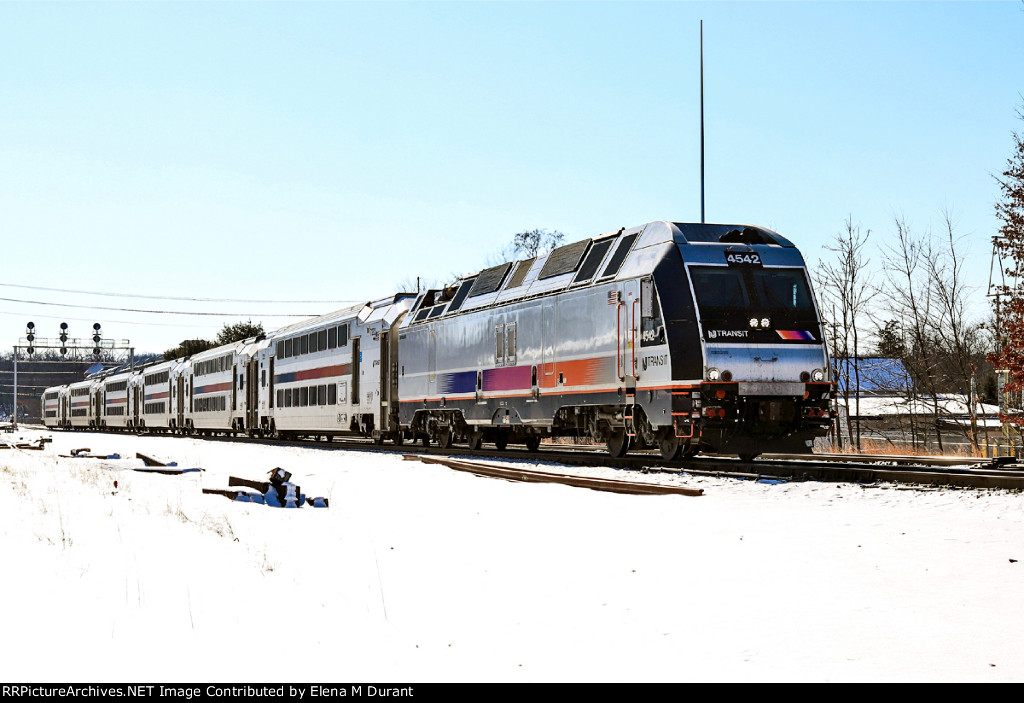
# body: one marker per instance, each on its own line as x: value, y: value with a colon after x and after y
x: 912, y: 307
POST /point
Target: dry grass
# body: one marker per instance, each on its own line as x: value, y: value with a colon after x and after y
x: 875, y: 446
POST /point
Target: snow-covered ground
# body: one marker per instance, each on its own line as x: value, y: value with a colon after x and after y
x: 420, y: 573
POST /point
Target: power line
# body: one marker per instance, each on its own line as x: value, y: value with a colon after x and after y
x: 160, y: 312
x: 175, y: 297
x: 210, y: 325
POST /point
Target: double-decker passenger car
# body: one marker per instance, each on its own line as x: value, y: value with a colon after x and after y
x: 334, y: 374
x: 157, y: 392
x: 83, y: 404
x: 116, y: 393
x: 54, y: 410
x: 212, y: 395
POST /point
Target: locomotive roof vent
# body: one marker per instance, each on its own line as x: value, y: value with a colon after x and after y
x: 727, y: 234
x: 749, y: 235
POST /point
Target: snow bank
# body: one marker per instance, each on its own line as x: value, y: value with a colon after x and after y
x: 420, y: 573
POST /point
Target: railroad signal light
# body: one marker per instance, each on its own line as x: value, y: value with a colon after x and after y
x: 63, y: 351
x: 63, y: 335
x: 31, y: 350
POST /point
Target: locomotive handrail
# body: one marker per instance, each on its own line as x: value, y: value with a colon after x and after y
x: 632, y: 331
x: 620, y: 366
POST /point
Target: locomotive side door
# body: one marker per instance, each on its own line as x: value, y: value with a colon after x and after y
x: 627, y: 312
x: 549, y: 333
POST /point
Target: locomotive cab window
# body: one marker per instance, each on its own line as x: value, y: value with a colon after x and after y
x: 652, y: 327
x: 719, y: 287
x: 782, y: 294
x: 783, y: 288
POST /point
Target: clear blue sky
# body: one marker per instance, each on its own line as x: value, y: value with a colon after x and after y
x: 329, y: 150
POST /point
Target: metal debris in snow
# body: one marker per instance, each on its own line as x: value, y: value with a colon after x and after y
x: 278, y: 492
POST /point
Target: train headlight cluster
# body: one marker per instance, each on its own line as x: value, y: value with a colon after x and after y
x: 763, y: 323
x: 713, y: 374
x: 818, y: 375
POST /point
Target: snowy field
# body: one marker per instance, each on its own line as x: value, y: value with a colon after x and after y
x: 419, y: 573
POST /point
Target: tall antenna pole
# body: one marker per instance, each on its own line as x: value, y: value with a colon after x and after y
x: 702, y: 121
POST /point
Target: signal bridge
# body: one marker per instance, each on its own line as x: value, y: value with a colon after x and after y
x: 71, y: 349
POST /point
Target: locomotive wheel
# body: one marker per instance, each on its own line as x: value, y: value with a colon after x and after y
x: 425, y: 440
x: 501, y: 442
x: 670, y: 447
x: 476, y: 439
x: 618, y: 443
x: 532, y: 443
x: 445, y: 438
x: 399, y: 438
x: 749, y: 456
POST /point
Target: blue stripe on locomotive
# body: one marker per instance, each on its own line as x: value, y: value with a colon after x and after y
x: 457, y: 382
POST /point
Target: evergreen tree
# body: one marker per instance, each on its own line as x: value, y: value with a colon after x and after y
x: 238, y: 332
x: 188, y: 347
x: 1010, y: 302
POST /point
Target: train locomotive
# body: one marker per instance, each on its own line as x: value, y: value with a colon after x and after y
x: 682, y: 337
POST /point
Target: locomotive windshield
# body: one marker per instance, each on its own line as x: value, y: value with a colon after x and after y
x: 729, y: 294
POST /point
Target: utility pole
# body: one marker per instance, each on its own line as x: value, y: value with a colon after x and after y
x: 702, y: 121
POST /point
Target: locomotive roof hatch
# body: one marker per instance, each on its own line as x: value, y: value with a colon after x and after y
x: 692, y: 232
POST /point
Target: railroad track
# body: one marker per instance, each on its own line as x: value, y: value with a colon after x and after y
x: 518, y: 473
x: 959, y: 472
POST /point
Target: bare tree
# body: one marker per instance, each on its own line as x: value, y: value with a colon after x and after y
x: 846, y: 288
x: 943, y: 348
x: 958, y: 339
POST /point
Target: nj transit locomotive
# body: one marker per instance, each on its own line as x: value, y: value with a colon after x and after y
x: 684, y: 337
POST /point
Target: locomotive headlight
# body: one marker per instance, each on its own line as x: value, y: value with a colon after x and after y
x: 713, y: 374
x: 818, y: 375
x: 753, y: 322
x: 765, y: 322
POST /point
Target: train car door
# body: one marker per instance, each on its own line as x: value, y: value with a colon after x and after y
x: 180, y: 410
x: 252, y: 404
x: 356, y: 358
x: 134, y: 390
x: 386, y: 391
x: 97, y: 406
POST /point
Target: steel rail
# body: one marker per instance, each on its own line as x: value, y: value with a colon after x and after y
x: 864, y: 469
x: 515, y: 473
